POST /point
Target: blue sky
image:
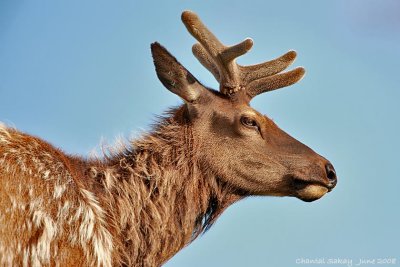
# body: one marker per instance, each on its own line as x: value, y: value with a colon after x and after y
x: 79, y: 72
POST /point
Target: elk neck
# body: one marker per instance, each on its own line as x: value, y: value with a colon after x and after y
x: 158, y: 191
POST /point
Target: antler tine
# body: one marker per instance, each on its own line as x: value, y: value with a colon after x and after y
x: 199, y: 31
x: 274, y: 82
x: 221, y: 55
x: 201, y: 54
x: 268, y: 68
x: 220, y: 61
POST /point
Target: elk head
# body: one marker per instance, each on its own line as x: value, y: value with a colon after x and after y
x: 246, y: 149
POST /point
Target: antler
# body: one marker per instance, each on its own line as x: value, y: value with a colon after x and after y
x: 232, y: 77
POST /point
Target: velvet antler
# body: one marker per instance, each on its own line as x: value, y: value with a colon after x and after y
x: 232, y: 77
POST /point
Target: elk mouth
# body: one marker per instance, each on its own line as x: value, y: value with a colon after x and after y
x: 309, y: 190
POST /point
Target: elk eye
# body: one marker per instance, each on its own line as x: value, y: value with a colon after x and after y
x: 249, y: 122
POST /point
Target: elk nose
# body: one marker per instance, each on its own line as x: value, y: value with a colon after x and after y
x: 331, y: 174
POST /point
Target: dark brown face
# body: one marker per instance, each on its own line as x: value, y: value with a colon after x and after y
x: 250, y: 152
x: 243, y: 147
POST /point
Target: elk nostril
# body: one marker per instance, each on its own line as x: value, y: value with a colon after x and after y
x: 330, y: 172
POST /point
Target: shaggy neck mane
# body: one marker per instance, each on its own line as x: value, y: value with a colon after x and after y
x: 158, y: 193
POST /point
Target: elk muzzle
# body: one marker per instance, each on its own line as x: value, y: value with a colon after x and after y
x: 314, y: 187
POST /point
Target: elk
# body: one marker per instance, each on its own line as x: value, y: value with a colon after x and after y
x: 140, y: 205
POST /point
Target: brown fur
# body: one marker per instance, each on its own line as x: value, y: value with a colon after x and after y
x: 141, y: 205
x: 148, y: 201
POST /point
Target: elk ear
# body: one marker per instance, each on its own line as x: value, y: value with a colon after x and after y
x: 174, y: 76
